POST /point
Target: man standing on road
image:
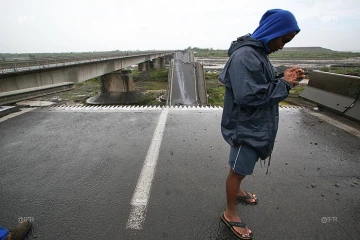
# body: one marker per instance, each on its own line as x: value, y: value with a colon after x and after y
x: 251, y: 113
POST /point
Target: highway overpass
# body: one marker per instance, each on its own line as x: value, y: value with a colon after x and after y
x: 59, y: 76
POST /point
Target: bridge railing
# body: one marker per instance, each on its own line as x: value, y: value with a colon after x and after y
x: 28, y: 63
x: 338, y: 92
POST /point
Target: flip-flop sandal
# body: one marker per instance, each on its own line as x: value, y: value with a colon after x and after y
x: 246, y: 198
x: 231, y: 225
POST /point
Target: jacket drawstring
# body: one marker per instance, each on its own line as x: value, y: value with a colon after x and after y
x: 267, y: 170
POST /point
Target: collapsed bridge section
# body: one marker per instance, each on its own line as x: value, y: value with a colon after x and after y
x: 186, y: 81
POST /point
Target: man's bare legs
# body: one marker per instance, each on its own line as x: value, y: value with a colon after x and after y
x: 233, y: 182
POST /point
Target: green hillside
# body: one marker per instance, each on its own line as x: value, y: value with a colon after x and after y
x: 287, y: 53
x: 307, y: 49
x: 311, y: 53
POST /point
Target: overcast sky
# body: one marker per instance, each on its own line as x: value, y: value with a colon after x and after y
x: 105, y: 25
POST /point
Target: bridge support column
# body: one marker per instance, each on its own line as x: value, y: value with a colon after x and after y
x: 157, y: 63
x: 142, y: 67
x: 162, y: 62
x: 116, y: 88
x: 167, y: 59
x: 117, y: 82
x: 149, y: 65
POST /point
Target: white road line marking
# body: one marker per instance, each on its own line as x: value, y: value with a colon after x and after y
x: 141, y: 195
x: 12, y: 115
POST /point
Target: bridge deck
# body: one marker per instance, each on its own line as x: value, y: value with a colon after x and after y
x: 74, y: 171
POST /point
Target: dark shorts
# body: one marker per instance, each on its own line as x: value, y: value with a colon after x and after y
x: 242, y: 159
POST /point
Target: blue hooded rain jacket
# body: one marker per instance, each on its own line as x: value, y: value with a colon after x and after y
x: 253, y: 91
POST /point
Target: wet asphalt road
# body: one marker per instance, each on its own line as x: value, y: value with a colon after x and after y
x: 74, y: 172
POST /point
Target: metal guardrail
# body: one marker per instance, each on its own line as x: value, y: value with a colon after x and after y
x: 337, y: 92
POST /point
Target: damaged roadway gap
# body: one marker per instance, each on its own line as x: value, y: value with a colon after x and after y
x: 186, y: 81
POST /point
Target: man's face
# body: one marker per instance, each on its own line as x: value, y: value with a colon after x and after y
x: 279, y: 43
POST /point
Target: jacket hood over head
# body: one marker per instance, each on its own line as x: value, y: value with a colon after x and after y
x: 273, y: 24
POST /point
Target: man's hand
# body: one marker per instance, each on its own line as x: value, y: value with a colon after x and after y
x: 293, y: 75
x: 300, y: 74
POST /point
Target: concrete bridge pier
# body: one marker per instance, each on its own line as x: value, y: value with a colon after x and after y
x: 167, y: 59
x: 149, y: 65
x: 142, y: 67
x: 162, y: 62
x: 145, y: 66
x: 116, y: 88
x: 157, y: 63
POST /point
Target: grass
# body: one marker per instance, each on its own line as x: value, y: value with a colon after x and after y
x: 312, y: 55
x: 151, y: 80
x: 215, y: 89
x: 81, y: 91
x: 297, y: 90
x: 355, y: 71
x: 149, y: 98
x: 307, y: 53
x: 152, y: 84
